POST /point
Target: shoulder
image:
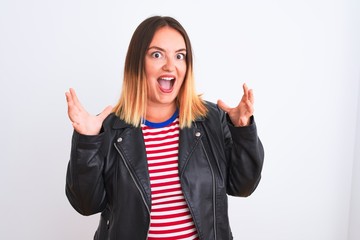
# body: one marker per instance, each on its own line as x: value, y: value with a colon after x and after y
x: 114, y: 122
x: 215, y: 118
x: 110, y: 120
x: 210, y: 105
x: 213, y: 111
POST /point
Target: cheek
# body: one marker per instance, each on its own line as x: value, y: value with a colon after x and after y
x: 150, y: 68
x: 150, y: 76
x: 182, y: 69
x: 182, y: 74
x: 153, y: 71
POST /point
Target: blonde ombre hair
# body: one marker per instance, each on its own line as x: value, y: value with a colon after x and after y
x: 131, y: 106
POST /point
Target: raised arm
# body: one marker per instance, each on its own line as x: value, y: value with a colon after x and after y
x: 84, y: 181
x: 245, y: 152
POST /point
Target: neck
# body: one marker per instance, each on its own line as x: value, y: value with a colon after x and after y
x: 159, y: 113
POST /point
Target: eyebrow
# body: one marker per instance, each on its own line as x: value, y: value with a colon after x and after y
x: 163, y: 50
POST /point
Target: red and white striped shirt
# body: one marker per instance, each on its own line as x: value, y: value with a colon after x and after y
x: 170, y: 217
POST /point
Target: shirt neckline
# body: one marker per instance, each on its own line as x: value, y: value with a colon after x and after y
x: 162, y: 124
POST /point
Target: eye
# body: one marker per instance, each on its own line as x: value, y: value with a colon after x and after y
x: 156, y: 55
x: 180, y: 56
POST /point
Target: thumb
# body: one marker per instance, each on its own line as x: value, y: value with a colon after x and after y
x: 223, y: 106
x: 105, y: 112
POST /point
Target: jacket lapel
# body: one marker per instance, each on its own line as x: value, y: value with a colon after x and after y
x: 189, y: 139
x: 133, y: 150
x: 131, y: 144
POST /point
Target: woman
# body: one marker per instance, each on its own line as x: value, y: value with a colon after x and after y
x: 159, y: 165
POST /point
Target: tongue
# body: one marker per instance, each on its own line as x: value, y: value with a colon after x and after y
x: 165, y: 84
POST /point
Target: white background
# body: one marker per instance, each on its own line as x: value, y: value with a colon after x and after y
x: 302, y: 58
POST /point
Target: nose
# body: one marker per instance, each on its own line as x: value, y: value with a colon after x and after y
x: 169, y: 64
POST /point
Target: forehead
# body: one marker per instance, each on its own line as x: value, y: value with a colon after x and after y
x: 168, y: 38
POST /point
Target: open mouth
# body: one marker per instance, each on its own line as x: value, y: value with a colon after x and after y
x: 166, y: 83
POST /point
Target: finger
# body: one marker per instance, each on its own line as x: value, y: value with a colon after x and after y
x: 68, y: 97
x: 223, y: 106
x: 70, y: 105
x: 251, y: 96
x: 73, y: 109
x: 246, y: 90
x: 69, y: 100
x: 250, y: 108
x: 75, y: 98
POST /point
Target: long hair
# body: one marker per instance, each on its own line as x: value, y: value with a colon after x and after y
x: 131, y: 106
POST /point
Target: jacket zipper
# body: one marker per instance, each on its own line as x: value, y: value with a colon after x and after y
x: 136, y: 184
x: 214, y: 188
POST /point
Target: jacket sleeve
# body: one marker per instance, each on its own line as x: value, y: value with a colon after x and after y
x: 84, y: 181
x: 245, y: 156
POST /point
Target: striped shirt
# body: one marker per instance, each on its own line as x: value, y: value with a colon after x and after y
x: 170, y: 217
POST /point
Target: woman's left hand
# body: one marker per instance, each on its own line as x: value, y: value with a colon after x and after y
x: 240, y: 115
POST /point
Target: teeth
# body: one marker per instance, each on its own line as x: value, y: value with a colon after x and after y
x: 167, y: 78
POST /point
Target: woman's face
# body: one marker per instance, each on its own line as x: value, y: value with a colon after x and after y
x: 165, y: 66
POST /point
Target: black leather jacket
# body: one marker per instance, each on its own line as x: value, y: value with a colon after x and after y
x: 108, y: 173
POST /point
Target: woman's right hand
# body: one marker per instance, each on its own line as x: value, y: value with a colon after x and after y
x: 82, y: 121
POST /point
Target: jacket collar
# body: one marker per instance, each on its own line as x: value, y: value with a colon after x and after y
x: 119, y: 124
